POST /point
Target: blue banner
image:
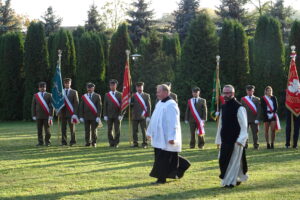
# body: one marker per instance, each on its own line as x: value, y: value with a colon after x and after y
x: 58, y: 99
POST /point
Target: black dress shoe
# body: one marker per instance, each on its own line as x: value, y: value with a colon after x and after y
x: 87, y: 144
x: 268, y: 146
x: 295, y: 147
x: 192, y: 147
x: 238, y: 183
x: 229, y: 186
x: 160, y: 181
x: 39, y: 144
x: 272, y: 146
x: 65, y: 144
x: 135, y: 146
x: 48, y: 145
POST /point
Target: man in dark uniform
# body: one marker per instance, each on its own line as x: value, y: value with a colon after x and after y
x: 253, y: 108
x: 172, y: 95
x: 68, y: 113
x: 191, y: 118
x: 90, y: 113
x: 141, y: 112
x: 112, y: 113
x: 42, y: 112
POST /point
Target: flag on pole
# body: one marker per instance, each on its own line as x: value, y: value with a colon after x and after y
x: 216, y: 97
x: 58, y: 100
x: 126, y: 87
x: 292, y: 100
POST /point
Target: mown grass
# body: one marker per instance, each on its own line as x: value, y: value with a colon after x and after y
x: 28, y: 172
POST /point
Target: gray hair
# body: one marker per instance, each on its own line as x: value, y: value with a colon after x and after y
x: 231, y: 87
x: 164, y: 87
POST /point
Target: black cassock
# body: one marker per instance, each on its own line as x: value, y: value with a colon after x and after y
x: 168, y: 164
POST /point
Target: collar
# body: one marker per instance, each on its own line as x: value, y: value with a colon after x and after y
x: 166, y: 99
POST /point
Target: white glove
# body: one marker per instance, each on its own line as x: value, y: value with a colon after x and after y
x: 256, y: 122
x: 81, y: 120
x: 98, y: 120
x: 105, y: 118
x: 120, y: 117
x: 148, y: 119
x: 34, y: 118
x: 186, y: 121
x: 217, y: 113
x: 270, y: 115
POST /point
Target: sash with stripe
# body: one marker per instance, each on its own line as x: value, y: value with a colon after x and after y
x: 142, y: 103
x: 197, y: 118
x: 90, y: 104
x: 71, y: 110
x: 43, y: 103
x: 113, y: 99
x: 267, y: 100
x: 250, y: 104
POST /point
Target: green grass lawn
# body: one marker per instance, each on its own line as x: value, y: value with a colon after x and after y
x: 29, y: 172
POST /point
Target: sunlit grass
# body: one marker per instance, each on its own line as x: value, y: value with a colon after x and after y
x: 29, y: 172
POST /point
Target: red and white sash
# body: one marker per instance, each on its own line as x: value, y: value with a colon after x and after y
x: 114, y: 99
x: 142, y: 103
x: 250, y: 104
x: 271, y: 108
x: 90, y: 104
x: 199, y: 122
x: 43, y: 103
x: 70, y: 108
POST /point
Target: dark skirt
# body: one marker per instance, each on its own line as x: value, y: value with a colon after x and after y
x: 225, y: 156
x: 270, y: 120
x: 168, y: 164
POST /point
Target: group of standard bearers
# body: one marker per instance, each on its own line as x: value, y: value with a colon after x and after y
x: 89, y: 111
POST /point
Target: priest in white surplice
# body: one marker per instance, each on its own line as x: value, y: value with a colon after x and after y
x: 164, y: 131
x: 232, y: 136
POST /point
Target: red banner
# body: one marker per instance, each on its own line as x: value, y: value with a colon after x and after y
x: 292, y: 101
x: 126, y: 88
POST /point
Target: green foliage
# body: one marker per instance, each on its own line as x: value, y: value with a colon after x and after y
x: 154, y: 66
x: 171, y: 46
x: 8, y: 21
x: 63, y: 40
x: 51, y: 21
x: 93, y: 23
x: 141, y: 21
x: 233, y: 9
x: 295, y: 40
x: 269, y: 57
x: 11, y: 89
x: 36, y: 65
x: 91, y: 63
x: 186, y: 13
x: 120, y: 42
x: 233, y: 46
x: 198, y: 60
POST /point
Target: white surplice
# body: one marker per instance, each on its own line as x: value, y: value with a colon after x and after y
x: 165, y: 126
x: 234, y: 172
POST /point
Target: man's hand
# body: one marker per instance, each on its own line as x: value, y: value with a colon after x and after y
x: 239, y: 144
x: 171, y: 142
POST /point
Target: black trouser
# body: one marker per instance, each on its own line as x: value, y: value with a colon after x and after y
x: 90, y: 131
x: 113, y: 139
x: 168, y: 164
x: 288, y: 129
x: 135, y: 130
x: 201, y: 141
x: 64, y: 122
x: 40, y: 124
x: 254, y: 130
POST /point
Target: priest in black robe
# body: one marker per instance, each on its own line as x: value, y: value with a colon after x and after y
x: 232, y: 136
